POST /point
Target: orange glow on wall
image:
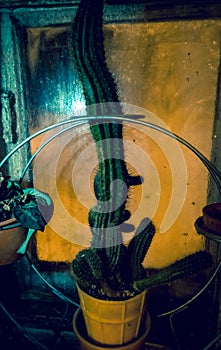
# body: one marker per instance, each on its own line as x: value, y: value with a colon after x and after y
x: 169, y: 69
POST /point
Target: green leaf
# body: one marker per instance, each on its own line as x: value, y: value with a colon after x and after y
x: 44, y: 202
x: 40, y: 196
x: 29, y: 215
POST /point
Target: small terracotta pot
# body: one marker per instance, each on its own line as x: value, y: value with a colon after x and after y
x: 87, y: 344
x: 112, y: 322
x: 212, y: 217
x: 12, y: 235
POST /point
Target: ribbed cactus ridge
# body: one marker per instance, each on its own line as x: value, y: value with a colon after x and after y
x: 89, y: 55
x: 115, y: 257
x: 138, y: 247
x: 82, y: 271
x: 182, y: 268
x: 95, y: 263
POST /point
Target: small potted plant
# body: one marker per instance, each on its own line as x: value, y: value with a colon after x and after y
x: 22, y: 212
x: 111, y: 279
x: 112, y: 298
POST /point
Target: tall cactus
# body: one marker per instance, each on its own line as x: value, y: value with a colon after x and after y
x: 102, y: 266
x: 112, y: 181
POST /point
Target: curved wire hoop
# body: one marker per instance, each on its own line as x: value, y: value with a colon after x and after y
x: 81, y: 120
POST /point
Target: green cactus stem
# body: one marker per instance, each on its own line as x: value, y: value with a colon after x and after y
x: 112, y: 181
x: 138, y: 247
x: 182, y: 268
x: 87, y: 268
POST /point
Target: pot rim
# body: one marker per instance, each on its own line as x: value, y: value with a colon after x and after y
x: 204, y: 230
x: 114, y: 301
x: 8, y: 224
x: 209, y: 208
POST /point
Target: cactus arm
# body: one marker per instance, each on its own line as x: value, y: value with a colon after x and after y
x: 87, y: 267
x: 139, y: 246
x: 180, y: 269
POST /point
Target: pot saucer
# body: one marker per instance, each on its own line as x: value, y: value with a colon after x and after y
x: 86, y: 343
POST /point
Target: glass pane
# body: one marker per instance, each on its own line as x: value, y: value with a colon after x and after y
x: 55, y: 90
x: 169, y: 69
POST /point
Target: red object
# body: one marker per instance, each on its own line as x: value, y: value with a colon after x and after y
x: 212, y: 217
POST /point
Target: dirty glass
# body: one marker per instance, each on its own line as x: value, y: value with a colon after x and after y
x: 164, y: 70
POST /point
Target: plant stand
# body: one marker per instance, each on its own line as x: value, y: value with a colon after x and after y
x: 74, y: 123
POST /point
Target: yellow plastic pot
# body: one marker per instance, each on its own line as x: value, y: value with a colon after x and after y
x: 12, y: 236
x: 87, y: 344
x: 112, y: 322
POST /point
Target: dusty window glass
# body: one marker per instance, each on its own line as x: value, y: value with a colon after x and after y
x: 169, y: 69
x: 55, y: 89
